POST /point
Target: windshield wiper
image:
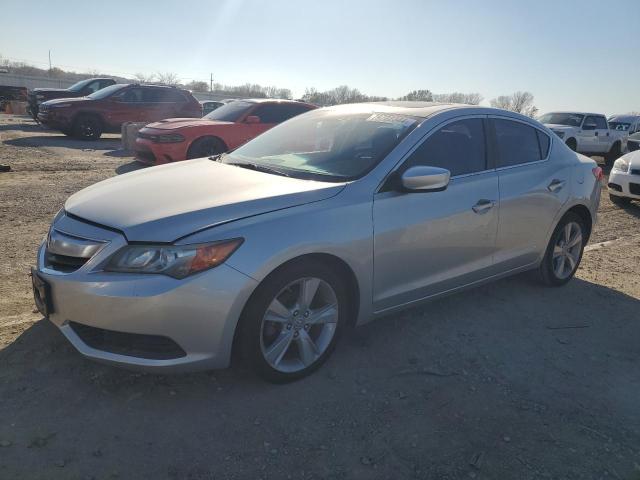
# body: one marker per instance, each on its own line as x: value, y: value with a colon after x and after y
x: 259, y: 168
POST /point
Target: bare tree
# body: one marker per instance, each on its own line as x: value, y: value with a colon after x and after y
x: 168, y: 78
x: 197, y: 86
x: 419, y: 95
x: 145, y: 78
x: 458, y: 97
x: 519, y: 102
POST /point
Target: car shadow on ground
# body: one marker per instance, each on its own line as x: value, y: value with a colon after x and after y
x: 499, y: 371
x: 130, y: 167
x: 66, y: 142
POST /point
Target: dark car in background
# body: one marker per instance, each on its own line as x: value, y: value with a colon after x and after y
x: 209, y: 106
x: 82, y: 88
x: 107, y: 109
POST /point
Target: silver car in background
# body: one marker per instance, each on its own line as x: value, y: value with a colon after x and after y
x: 328, y: 220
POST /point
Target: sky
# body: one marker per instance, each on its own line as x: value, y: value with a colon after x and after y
x: 571, y: 54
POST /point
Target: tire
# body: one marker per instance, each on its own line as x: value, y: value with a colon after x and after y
x: 613, y: 154
x: 206, y: 147
x: 273, y: 328
x: 619, y: 201
x: 550, y: 269
x: 87, y: 127
x: 572, y: 144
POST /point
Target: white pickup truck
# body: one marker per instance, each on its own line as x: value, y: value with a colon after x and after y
x: 587, y: 133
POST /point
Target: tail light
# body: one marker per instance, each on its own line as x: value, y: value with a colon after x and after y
x: 598, y: 173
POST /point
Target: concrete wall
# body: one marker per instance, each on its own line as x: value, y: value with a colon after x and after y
x: 14, y: 80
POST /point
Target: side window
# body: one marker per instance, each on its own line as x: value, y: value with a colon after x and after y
x: 517, y: 143
x: 601, y: 123
x: 130, y: 95
x: 105, y: 84
x: 292, y: 110
x: 459, y: 147
x: 153, y: 95
x: 92, y: 87
x: 544, y: 141
x: 276, y: 113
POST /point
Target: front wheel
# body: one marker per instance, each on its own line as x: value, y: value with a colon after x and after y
x: 292, y: 322
x: 564, y: 251
x: 87, y: 127
x: 206, y: 147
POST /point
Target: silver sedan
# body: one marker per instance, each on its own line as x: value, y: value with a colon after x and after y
x: 328, y: 220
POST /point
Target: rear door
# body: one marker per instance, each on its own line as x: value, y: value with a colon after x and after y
x: 533, y: 188
x: 430, y: 242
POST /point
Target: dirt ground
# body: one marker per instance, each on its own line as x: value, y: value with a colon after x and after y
x: 508, y: 381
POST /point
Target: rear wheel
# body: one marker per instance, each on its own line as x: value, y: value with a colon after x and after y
x: 564, y: 251
x: 87, y: 127
x: 620, y: 201
x: 292, y: 322
x: 613, y: 154
x: 206, y: 147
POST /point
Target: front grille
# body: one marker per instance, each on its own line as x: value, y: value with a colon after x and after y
x: 66, y: 253
x: 614, y: 186
x: 145, y: 156
x: 63, y: 263
x: 634, y: 188
x: 152, y: 347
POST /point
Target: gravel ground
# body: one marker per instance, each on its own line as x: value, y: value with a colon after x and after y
x: 508, y: 381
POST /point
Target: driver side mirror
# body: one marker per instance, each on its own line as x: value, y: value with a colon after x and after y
x: 252, y: 119
x: 425, y: 179
x: 589, y: 126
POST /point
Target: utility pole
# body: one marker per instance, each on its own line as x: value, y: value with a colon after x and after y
x: 49, y: 62
x: 211, y: 83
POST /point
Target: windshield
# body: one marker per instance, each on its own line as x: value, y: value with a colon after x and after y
x: 326, y: 145
x: 76, y: 87
x: 230, y: 112
x: 621, y: 126
x: 106, y: 92
x: 569, y: 119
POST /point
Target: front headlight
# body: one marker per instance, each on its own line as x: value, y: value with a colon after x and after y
x: 178, y: 261
x: 621, y: 165
x: 169, y: 138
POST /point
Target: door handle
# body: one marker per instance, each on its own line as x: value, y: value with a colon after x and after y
x: 595, y: 133
x: 556, y: 185
x: 483, y: 206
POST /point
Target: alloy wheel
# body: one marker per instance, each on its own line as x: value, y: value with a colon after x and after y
x: 299, y: 324
x: 567, y: 250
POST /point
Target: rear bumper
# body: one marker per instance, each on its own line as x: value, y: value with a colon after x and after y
x: 152, y: 153
x: 624, y: 185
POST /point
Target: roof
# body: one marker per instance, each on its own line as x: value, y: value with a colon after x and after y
x: 577, y: 113
x: 262, y: 100
x: 626, y: 118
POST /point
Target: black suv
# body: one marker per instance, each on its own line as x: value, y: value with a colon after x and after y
x: 79, y: 89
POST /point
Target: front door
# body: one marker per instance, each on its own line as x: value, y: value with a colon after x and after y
x: 428, y: 243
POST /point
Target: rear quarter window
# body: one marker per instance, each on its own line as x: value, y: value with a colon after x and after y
x: 518, y: 143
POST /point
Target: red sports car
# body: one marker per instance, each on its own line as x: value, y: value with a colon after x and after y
x: 226, y: 128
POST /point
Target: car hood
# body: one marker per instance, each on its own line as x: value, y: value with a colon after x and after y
x: 561, y: 128
x: 173, y: 123
x: 633, y: 158
x: 67, y: 100
x: 165, y: 203
x: 50, y: 90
